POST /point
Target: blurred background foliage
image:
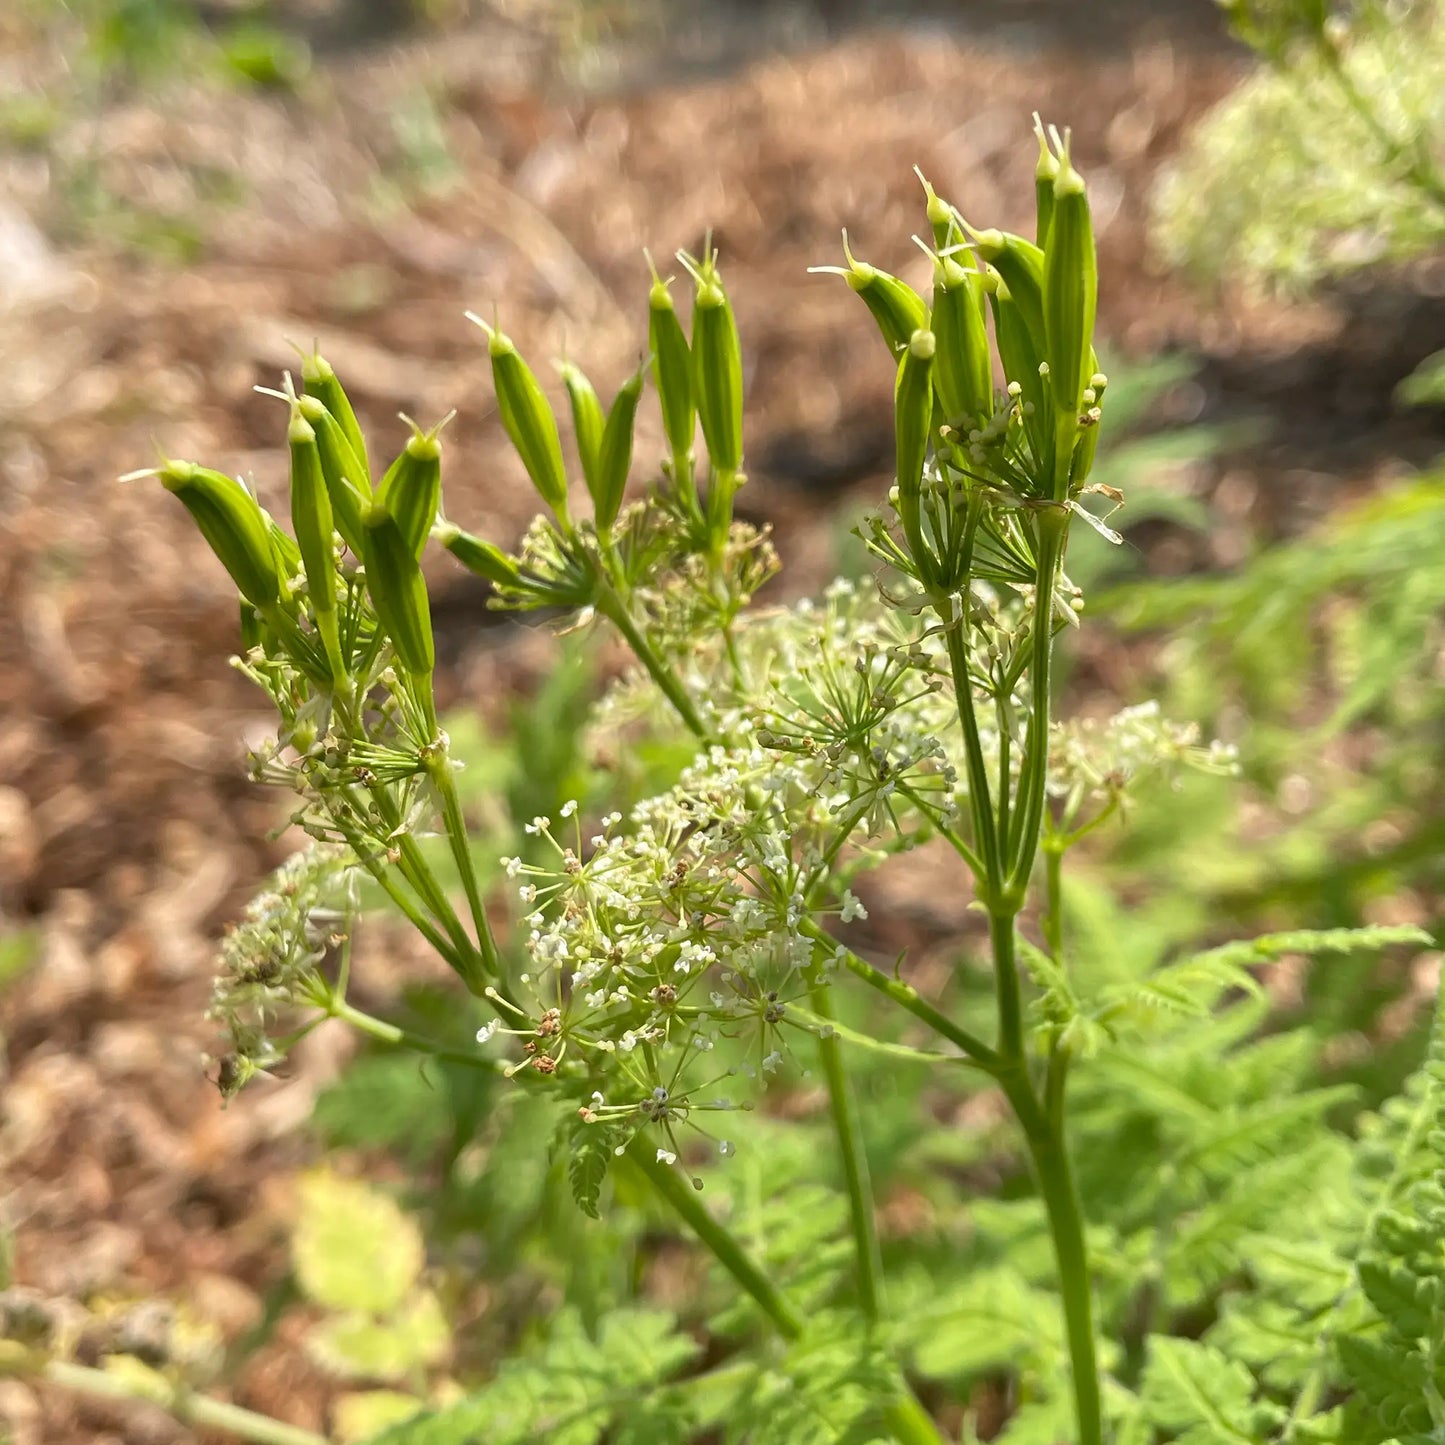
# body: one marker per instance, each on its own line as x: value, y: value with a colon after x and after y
x: 1318, y: 648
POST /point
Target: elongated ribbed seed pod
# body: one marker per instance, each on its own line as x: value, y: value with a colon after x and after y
x: 912, y: 425
x: 1022, y: 358
x: 963, y: 365
x: 671, y: 369
x: 717, y: 372
x: 614, y: 459
x: 311, y: 520
x: 398, y: 591
x: 1044, y: 173
x: 233, y: 524
x: 319, y: 379
x: 588, y: 420
x: 411, y: 490
x: 1021, y: 265
x: 528, y: 419
x: 346, y: 477
x: 1071, y: 288
x: 478, y: 556
x: 896, y: 307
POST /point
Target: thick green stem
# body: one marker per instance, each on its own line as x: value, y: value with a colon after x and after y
x: 175, y: 1399
x: 1055, y: 1177
x: 688, y: 1206
x: 612, y: 608
x: 853, y: 1154
x: 1006, y: 986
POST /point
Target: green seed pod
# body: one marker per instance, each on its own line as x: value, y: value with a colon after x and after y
x: 614, y: 459
x: 1044, y: 174
x: 346, y: 476
x: 1021, y: 265
x: 717, y: 374
x: 411, y: 490
x: 671, y: 368
x: 311, y: 514
x: 963, y: 364
x: 478, y: 556
x: 233, y: 524
x: 1071, y: 288
x: 528, y: 419
x: 897, y: 308
x: 588, y: 421
x: 1022, y: 357
x: 319, y: 380
x: 398, y: 591
x: 912, y: 426
x: 941, y: 219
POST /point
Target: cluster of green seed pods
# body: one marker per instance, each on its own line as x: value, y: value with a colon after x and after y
x: 1037, y: 436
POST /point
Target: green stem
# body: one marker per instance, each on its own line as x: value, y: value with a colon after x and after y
x: 908, y: 997
x: 852, y: 1151
x: 985, y: 838
x: 1006, y: 986
x: 457, y: 836
x: 611, y: 607
x: 401, y: 1038
x: 1023, y: 841
x: 1052, y: 921
x: 687, y: 1205
x: 1055, y: 1176
x: 175, y: 1399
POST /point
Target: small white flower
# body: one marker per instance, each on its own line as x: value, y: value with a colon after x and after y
x: 486, y: 1031
x: 666, y: 1156
x: 513, y: 866
x: 538, y: 825
x: 569, y: 807
x: 852, y: 908
x: 527, y: 893
x: 773, y: 1062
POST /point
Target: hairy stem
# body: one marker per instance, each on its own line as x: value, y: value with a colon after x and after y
x: 175, y: 1399
x: 852, y: 1151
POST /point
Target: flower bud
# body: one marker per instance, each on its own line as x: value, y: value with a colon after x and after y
x: 963, y: 364
x: 614, y: 460
x: 233, y: 524
x: 671, y: 368
x: 478, y: 556
x: 347, y: 482
x: 588, y: 421
x: 717, y: 371
x: 1071, y: 286
x: 897, y: 308
x: 912, y: 424
x: 411, y: 490
x: 528, y: 419
x: 319, y: 380
x: 1044, y: 174
x: 398, y: 591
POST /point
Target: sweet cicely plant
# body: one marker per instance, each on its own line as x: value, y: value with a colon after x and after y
x: 674, y: 959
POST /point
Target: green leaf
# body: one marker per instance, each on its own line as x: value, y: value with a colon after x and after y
x: 1192, y: 1391
x: 590, y: 1151
x: 353, y: 1248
